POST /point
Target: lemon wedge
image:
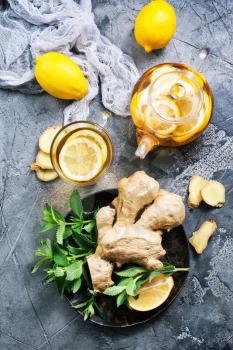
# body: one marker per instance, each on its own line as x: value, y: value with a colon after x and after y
x: 81, y: 159
x: 152, y: 294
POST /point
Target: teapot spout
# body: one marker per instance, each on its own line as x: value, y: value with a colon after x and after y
x: 146, y: 144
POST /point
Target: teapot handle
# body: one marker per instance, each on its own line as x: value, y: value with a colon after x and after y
x: 146, y: 144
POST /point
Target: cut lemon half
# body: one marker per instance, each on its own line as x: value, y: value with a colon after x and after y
x: 81, y: 159
x: 93, y: 136
x: 152, y: 294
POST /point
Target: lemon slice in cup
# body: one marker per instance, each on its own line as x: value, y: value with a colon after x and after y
x: 152, y: 294
x: 81, y: 159
x: 93, y: 136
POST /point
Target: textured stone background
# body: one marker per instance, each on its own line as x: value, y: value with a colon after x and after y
x: 34, y: 316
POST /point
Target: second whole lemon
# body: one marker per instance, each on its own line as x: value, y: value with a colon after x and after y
x: 60, y: 76
x: 155, y: 25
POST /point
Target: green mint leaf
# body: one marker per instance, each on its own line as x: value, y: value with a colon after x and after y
x: 46, y: 248
x: 89, y: 227
x: 121, y: 298
x: 124, y: 282
x: 76, y: 204
x: 77, y: 228
x: 47, y: 227
x: 50, y: 279
x: 59, y: 257
x: 81, y: 305
x: 76, y: 286
x: 47, y: 215
x: 167, y: 269
x: 39, y: 264
x: 91, y: 310
x: 130, y: 287
x: 131, y: 271
x: 75, y: 251
x: 59, y: 233
x: 56, y: 215
x: 59, y: 272
x: 67, y: 233
x: 74, y: 271
x: 140, y: 282
x: 114, y: 290
x: 83, y: 241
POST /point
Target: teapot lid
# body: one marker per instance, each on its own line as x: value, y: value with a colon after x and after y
x: 176, y: 96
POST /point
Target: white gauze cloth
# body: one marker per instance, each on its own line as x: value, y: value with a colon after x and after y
x: 29, y: 28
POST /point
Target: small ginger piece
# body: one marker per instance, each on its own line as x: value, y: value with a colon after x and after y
x: 213, y: 194
x: 46, y: 175
x: 47, y: 137
x: 200, y: 238
x: 43, y: 161
x: 196, y: 184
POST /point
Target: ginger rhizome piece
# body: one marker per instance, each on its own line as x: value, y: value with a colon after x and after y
x: 196, y: 184
x: 46, y: 175
x: 200, y: 238
x: 210, y: 191
x: 122, y: 237
x: 47, y: 137
x: 43, y: 160
x: 43, y: 165
x: 213, y: 193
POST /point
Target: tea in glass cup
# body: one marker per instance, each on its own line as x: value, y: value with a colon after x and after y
x: 81, y: 152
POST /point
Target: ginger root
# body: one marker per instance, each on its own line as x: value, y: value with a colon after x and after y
x: 196, y: 184
x: 47, y: 137
x: 200, y: 238
x: 210, y: 191
x: 213, y: 193
x: 123, y: 237
x: 46, y: 175
x: 43, y: 165
x: 43, y: 160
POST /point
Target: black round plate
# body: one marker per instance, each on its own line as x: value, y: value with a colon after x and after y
x: 176, y: 245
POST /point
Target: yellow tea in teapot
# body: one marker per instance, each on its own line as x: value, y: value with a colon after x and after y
x: 171, y: 105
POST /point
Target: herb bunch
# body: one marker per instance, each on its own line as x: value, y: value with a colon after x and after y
x: 73, y: 240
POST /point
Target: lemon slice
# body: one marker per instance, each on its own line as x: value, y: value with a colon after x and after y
x: 93, y: 136
x: 169, y: 109
x: 185, y: 131
x: 152, y: 294
x: 81, y: 159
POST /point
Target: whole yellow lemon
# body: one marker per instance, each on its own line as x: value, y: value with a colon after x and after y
x: 155, y: 25
x: 61, y: 77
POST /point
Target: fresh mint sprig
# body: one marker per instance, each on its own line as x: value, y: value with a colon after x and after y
x: 66, y: 253
x: 133, y: 277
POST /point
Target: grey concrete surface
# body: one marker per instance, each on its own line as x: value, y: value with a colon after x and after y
x: 33, y: 316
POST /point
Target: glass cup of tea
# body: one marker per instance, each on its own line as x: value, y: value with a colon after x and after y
x: 81, y: 152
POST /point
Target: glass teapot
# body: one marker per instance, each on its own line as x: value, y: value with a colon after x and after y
x: 171, y: 106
